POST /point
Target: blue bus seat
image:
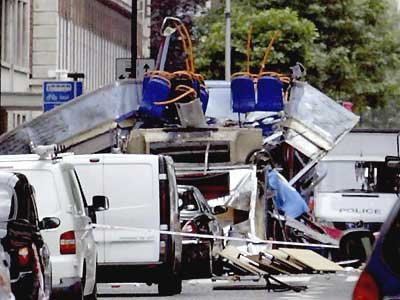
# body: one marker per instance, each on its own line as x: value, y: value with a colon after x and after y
x: 157, y: 89
x: 243, y: 94
x: 269, y: 94
x: 204, y: 95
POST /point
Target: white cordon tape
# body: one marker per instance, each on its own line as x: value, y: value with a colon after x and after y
x: 207, y: 236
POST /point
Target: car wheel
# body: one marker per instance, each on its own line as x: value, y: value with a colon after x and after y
x: 217, y: 266
x: 170, y: 285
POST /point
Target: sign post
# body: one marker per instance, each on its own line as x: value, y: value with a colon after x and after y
x: 56, y: 93
x: 123, y: 67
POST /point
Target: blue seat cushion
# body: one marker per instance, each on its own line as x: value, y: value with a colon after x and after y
x: 243, y: 94
x: 269, y: 94
x: 157, y: 89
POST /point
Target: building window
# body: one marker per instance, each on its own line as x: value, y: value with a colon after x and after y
x: 18, y: 119
x: 15, y: 32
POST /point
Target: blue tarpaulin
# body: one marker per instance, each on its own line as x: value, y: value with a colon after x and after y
x: 286, y: 198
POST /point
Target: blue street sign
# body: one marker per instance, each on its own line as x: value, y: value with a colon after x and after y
x: 56, y: 93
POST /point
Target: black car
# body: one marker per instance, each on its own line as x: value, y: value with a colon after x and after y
x: 380, y: 278
x: 199, y: 255
x: 29, y: 257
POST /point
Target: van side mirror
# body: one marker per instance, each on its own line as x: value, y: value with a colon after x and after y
x: 100, y: 203
x: 392, y: 162
x: 49, y: 223
x: 219, y: 209
x: 357, y: 244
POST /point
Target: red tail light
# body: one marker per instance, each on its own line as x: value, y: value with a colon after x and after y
x: 67, y: 243
x: 366, y: 288
x: 189, y: 227
x: 24, y: 256
x: 311, y: 204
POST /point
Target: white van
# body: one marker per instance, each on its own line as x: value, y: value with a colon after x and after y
x: 359, y: 189
x: 142, y: 193
x: 71, y: 244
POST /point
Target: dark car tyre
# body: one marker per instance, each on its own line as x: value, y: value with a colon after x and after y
x: 170, y: 285
x: 217, y: 266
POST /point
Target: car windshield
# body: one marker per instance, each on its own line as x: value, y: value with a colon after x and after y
x: 189, y: 200
x: 357, y: 176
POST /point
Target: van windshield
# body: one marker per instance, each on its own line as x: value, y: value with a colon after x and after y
x: 358, y: 176
x: 75, y: 191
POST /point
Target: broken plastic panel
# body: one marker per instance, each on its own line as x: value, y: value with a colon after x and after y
x: 317, y: 118
x: 191, y: 114
x: 244, y: 196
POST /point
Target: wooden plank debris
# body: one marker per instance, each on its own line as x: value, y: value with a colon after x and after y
x: 284, y: 259
x: 312, y: 259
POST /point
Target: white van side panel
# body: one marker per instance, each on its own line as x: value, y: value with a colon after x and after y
x: 133, y: 192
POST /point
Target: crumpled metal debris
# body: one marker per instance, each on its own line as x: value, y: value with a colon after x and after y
x: 92, y: 110
x: 315, y: 117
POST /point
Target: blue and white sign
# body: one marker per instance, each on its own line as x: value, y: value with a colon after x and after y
x: 56, y: 93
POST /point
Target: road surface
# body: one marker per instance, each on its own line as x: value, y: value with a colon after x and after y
x: 320, y: 286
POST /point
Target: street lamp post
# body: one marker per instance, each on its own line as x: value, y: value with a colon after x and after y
x: 227, y: 40
x: 133, y: 39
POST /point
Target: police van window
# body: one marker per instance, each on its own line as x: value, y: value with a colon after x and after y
x: 358, y: 176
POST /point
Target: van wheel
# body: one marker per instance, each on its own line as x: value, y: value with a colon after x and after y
x: 77, y: 292
x: 170, y: 285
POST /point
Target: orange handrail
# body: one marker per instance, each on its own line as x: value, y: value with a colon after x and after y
x: 248, y: 48
x: 268, y: 50
x: 181, y: 87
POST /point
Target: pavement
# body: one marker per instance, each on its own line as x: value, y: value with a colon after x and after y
x: 319, y: 286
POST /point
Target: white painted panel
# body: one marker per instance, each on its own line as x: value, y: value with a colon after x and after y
x: 133, y: 193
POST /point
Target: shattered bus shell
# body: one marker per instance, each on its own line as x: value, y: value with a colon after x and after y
x: 214, y: 145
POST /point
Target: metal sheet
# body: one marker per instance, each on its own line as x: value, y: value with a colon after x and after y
x: 301, y: 144
x: 243, y: 193
x: 76, y: 117
x: 191, y: 114
x: 317, y: 117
